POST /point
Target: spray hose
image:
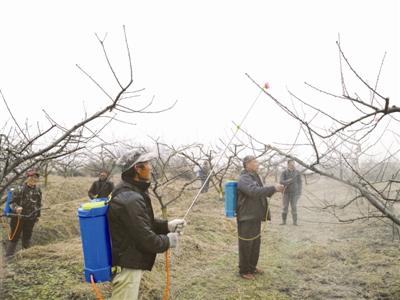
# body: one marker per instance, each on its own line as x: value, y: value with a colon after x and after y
x: 6, y: 227
x: 166, y: 287
x: 94, y: 287
x: 168, y: 278
x: 19, y: 218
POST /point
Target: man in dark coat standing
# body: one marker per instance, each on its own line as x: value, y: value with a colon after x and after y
x: 205, y: 183
x: 291, y: 179
x: 26, y: 201
x: 136, y: 236
x: 251, y: 210
x: 101, y: 188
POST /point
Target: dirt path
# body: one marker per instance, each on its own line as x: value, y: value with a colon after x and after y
x: 335, y: 260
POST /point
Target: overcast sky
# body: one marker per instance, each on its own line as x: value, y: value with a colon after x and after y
x: 196, y: 52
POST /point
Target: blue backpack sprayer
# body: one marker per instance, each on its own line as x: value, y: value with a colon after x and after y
x: 230, y: 199
x: 7, y: 208
x: 96, y: 242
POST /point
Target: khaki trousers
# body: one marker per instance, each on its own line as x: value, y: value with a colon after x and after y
x: 125, y: 285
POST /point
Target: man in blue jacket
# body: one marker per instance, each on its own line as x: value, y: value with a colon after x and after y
x: 136, y: 235
x: 251, y: 210
x: 291, y: 179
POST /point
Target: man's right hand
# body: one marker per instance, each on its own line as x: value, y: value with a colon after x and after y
x: 279, y: 187
x: 173, y: 239
x: 19, y: 210
x: 177, y: 225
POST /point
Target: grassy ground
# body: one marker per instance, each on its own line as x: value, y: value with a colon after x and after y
x: 322, y: 259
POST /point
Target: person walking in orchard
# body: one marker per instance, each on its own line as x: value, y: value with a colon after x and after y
x: 291, y: 179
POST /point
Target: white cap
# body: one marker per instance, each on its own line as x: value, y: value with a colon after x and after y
x: 132, y: 158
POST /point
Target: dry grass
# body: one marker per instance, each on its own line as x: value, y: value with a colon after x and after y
x: 322, y: 259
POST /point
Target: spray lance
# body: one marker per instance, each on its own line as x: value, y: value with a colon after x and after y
x: 262, y: 89
x: 21, y: 215
x: 266, y: 86
x: 318, y: 157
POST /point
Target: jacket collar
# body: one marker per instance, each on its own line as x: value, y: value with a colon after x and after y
x: 142, y: 186
x: 252, y: 174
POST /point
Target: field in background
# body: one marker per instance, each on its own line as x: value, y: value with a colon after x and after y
x: 322, y: 259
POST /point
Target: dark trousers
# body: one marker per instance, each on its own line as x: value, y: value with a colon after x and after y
x: 249, y: 251
x: 292, y: 200
x: 206, y: 185
x: 25, y: 227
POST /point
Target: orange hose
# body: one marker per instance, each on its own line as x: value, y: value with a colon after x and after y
x: 6, y: 227
x: 166, y: 288
x: 167, y: 269
x: 94, y: 287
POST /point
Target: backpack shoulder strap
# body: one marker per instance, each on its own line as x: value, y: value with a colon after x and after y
x: 127, y: 240
x: 114, y: 194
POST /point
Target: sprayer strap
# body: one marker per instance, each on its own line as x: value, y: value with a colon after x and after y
x: 116, y: 269
x: 127, y: 241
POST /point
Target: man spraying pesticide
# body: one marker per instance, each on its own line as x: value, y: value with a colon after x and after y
x: 130, y: 235
x: 136, y: 236
x: 252, y: 209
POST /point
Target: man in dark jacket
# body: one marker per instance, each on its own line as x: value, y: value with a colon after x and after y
x: 251, y: 210
x: 136, y: 236
x: 291, y: 179
x: 101, y: 188
x: 26, y: 201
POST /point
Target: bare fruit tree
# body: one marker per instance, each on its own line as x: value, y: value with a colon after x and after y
x: 341, y: 141
x: 23, y: 146
x: 102, y: 156
x: 173, y: 175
